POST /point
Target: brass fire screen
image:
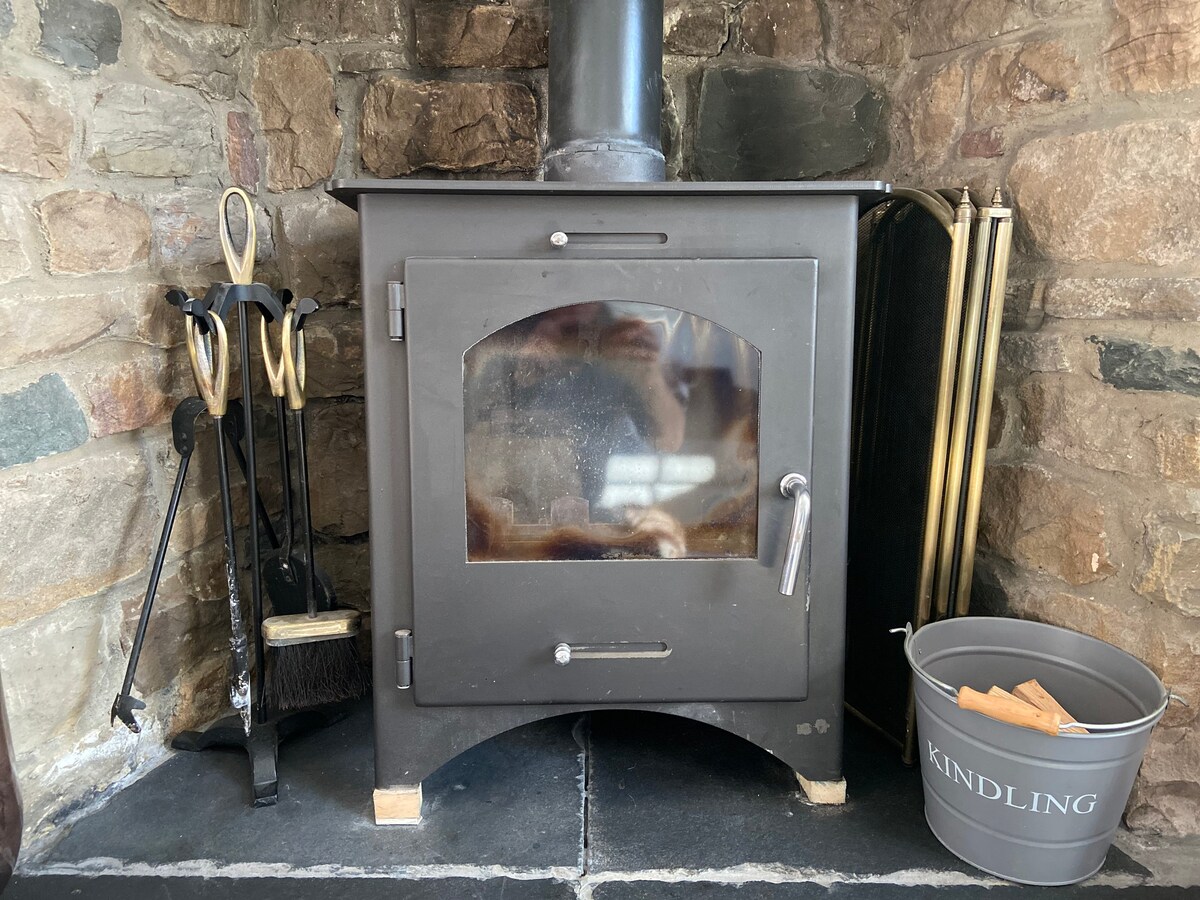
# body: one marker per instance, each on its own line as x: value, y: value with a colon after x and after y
x: 931, y: 279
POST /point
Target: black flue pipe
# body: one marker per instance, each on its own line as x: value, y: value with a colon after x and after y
x: 605, y: 91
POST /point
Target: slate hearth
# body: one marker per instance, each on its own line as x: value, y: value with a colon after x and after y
x: 610, y: 806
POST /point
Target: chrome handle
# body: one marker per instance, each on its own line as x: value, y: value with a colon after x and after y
x: 562, y: 654
x: 559, y: 239
x: 794, y: 486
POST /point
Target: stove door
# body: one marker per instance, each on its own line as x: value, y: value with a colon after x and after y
x: 597, y: 451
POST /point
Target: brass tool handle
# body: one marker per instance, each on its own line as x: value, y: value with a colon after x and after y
x: 241, y: 268
x: 209, y: 356
x: 294, y: 369
x: 272, y: 359
x: 1014, y: 712
x: 794, y: 486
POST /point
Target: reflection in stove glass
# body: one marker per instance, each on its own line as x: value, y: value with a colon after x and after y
x: 611, y: 430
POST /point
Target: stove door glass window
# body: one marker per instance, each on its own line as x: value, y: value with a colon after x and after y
x: 611, y: 430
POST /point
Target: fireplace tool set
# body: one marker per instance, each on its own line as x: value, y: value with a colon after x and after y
x: 304, y: 652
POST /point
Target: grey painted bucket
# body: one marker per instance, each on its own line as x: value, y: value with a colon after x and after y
x: 1017, y: 803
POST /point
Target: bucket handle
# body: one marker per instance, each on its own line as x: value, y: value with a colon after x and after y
x: 952, y: 694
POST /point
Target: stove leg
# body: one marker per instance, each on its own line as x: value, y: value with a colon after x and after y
x: 400, y: 805
x: 823, y: 792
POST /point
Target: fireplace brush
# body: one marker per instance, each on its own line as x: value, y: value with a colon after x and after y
x: 314, y: 654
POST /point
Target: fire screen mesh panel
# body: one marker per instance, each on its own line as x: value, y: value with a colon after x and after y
x: 904, y: 260
x: 611, y: 430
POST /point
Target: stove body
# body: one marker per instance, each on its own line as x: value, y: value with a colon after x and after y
x: 581, y: 401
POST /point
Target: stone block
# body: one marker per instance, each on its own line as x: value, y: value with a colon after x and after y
x: 318, y: 249
x: 1116, y: 195
x: 102, y: 493
x: 1170, y: 568
x: 481, y: 35
x: 453, y: 126
x: 983, y: 143
x: 696, y: 27
x: 672, y: 123
x: 1023, y: 352
x: 1023, y: 304
x: 293, y: 89
x: 1171, y: 808
x: 144, y: 131
x: 1172, y: 299
x: 343, y: 20
x: 338, y: 467
x: 205, y: 59
x: 14, y: 258
x: 870, y: 32
x: 935, y: 115
x: 37, y: 327
x: 215, y: 12
x: 1154, y: 46
x: 1138, y: 366
x: 1045, y: 523
x: 89, y: 232
x: 81, y: 34
x: 333, y: 347
x: 1084, y: 421
x: 783, y: 29
x: 124, y: 391
x: 940, y: 25
x: 1177, y: 444
x: 772, y: 123
x: 35, y: 129
x: 364, y: 60
x: 1015, y: 77
x: 203, y: 694
x: 185, y: 229
x: 38, y: 420
x: 241, y: 150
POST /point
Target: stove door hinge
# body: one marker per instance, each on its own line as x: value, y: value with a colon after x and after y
x: 404, y: 655
x: 396, y: 310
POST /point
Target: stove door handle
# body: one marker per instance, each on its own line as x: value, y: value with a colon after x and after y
x: 794, y: 486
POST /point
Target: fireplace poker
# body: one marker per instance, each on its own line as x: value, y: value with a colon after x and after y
x: 208, y: 352
x: 315, y: 660
x: 183, y: 428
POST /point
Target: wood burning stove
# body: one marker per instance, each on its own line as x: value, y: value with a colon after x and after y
x: 608, y: 429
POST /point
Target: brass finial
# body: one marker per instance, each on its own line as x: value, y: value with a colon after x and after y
x: 997, y: 197
x: 963, y: 213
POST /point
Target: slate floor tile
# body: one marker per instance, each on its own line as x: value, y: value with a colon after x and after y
x: 654, y: 890
x: 728, y: 803
x: 112, y: 887
x: 512, y: 801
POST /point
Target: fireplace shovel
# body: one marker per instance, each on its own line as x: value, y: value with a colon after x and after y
x: 283, y: 571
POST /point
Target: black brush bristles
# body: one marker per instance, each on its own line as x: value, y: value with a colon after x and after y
x: 316, y: 673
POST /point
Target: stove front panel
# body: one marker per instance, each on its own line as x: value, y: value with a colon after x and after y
x: 596, y: 449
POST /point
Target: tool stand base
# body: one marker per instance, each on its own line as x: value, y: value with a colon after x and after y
x: 261, y: 745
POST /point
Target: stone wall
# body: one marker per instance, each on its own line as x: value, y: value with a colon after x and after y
x: 121, y: 121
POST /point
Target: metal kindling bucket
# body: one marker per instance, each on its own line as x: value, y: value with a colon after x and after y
x: 1017, y: 803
